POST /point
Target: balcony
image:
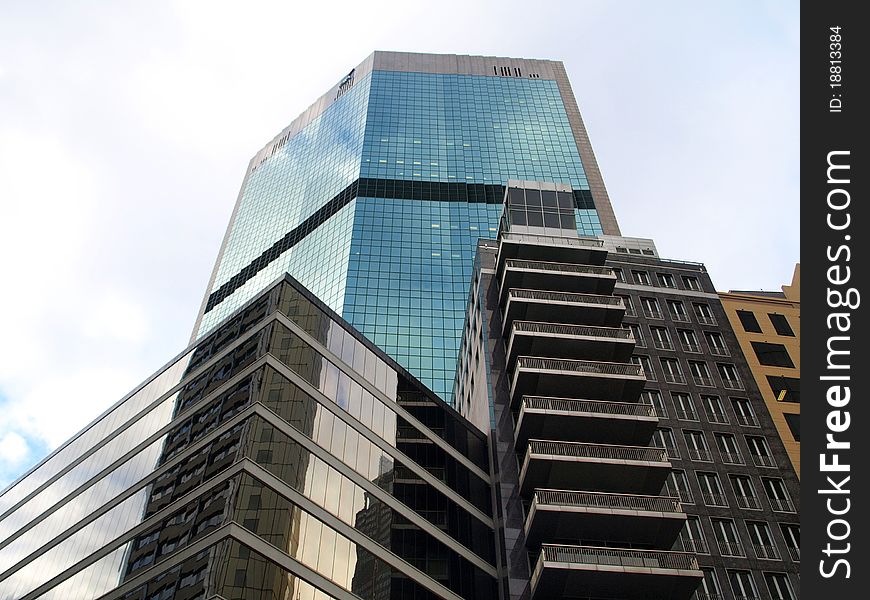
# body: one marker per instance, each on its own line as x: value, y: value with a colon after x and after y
x: 551, y: 340
x: 589, y: 572
x: 781, y: 504
x: 556, y: 277
x: 575, y: 309
x: 749, y: 502
x: 584, y: 420
x: 594, y: 467
x: 766, y: 551
x: 526, y: 246
x: 562, y: 378
x: 763, y: 460
x: 559, y: 514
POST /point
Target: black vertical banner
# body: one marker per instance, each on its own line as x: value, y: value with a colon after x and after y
x: 835, y: 371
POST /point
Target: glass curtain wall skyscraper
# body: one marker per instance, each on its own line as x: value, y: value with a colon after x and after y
x: 374, y: 198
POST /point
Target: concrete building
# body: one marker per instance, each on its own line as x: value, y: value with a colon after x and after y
x: 768, y: 329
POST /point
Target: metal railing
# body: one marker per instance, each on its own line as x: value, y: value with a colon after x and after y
x: 686, y: 415
x: 715, y: 499
x: 662, y: 344
x: 717, y: 417
x: 580, y: 366
x: 539, y: 265
x: 731, y: 458
x: 719, y: 350
x: 698, y: 546
x: 578, y: 330
x: 551, y: 240
x: 592, y: 406
x: 795, y: 553
x: 762, y: 460
x: 524, y: 294
x: 730, y: 548
x: 747, y: 420
x: 705, y: 319
x: 672, y: 377
x: 601, y: 451
x: 750, y: 502
x: 732, y: 384
x: 588, y: 555
x: 687, y: 347
x: 703, y: 380
x: 781, y: 504
x: 604, y: 500
x: 765, y: 551
x: 699, y: 454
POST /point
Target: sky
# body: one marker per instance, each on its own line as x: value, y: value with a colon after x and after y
x: 126, y: 128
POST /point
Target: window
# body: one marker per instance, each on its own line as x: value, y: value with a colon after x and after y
x: 777, y: 494
x: 779, y: 586
x: 651, y: 308
x: 749, y: 322
x: 644, y: 363
x: 700, y: 373
x: 629, y: 305
x: 620, y: 276
x: 666, y: 280
x: 654, y: 398
x: 693, y: 536
x: 744, y: 411
x: 716, y: 343
x: 742, y: 585
x: 678, y: 486
x: 697, y: 443
x: 637, y: 332
x: 704, y: 314
x: 728, y: 449
x: 786, y: 389
x: 641, y: 277
x: 772, y: 355
x: 661, y: 338
x: 672, y: 370
x: 794, y: 425
x: 727, y: 537
x: 688, y: 340
x: 780, y: 324
x: 711, y: 489
x: 677, y: 310
x: 684, y: 406
x: 714, y: 409
x: 760, y: 451
x: 761, y: 539
x: 744, y: 492
x: 730, y: 379
x: 664, y: 438
x: 792, y: 534
x: 709, y: 588
x: 691, y: 283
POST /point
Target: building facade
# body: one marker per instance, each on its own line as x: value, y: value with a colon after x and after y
x: 633, y: 455
x: 375, y: 196
x: 283, y: 456
x: 768, y: 329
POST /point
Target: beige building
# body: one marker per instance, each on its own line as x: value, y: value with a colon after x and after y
x: 768, y: 327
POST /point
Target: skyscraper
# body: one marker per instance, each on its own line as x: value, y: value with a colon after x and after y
x: 375, y: 196
x: 294, y: 450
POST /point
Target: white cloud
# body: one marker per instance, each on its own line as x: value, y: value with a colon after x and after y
x: 13, y: 448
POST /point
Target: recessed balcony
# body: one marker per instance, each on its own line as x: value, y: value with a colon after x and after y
x: 554, y: 340
x: 564, y: 378
x: 574, y: 420
x: 556, y: 515
x: 556, y: 276
x: 593, y: 467
x: 590, y: 572
x: 527, y: 246
x: 564, y: 307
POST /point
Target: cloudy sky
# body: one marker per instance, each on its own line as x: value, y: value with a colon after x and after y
x: 126, y: 128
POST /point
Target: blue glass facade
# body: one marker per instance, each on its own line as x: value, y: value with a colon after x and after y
x: 397, y: 266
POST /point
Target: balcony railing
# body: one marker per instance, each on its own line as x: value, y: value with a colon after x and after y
x: 599, y: 300
x: 690, y: 347
x: 749, y: 502
x: 717, y: 499
x: 616, y: 333
x: 795, y: 553
x: 698, y: 546
x: 762, y: 460
x: 719, y: 351
x: 603, y: 500
x: 650, y: 559
x: 705, y: 319
x: 663, y: 344
x: 732, y: 384
x: 539, y: 265
x: 731, y: 548
x: 552, y: 240
x: 672, y: 377
x: 686, y: 415
x: 599, y: 451
x: 747, y: 420
x: 766, y: 551
x: 703, y: 380
x: 589, y: 406
x: 781, y: 504
x: 580, y: 366
x: 699, y: 454
x: 717, y: 417
x: 731, y: 458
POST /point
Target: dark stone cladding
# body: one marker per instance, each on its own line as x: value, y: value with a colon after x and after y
x: 783, y: 469
x: 391, y: 189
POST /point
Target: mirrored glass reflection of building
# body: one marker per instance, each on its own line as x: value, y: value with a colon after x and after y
x: 374, y: 198
x: 283, y: 456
